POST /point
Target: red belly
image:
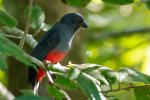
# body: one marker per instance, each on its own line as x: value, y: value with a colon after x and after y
x: 54, y: 56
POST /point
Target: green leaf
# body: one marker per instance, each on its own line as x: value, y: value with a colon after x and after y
x: 77, y: 3
x: 142, y: 93
x: 45, y: 27
x: 27, y: 92
x: 119, y: 2
x: 37, y: 18
x: 110, y: 75
x: 3, y: 64
x: 86, y: 67
x: 136, y: 76
x: 89, y: 68
x: 58, y: 94
x: 88, y: 84
x: 30, y: 97
x: 147, y: 3
x: 9, y: 48
x: 6, y: 19
x: 65, y: 82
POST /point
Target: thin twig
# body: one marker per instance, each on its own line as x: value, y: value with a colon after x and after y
x: 36, y: 61
x: 11, y: 36
x: 36, y: 32
x: 17, y: 32
x: 27, y: 27
x: 126, y: 88
x: 106, y: 35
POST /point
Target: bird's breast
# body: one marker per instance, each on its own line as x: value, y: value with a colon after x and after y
x: 55, y: 56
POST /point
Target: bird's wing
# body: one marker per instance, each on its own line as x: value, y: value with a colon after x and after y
x: 46, y: 44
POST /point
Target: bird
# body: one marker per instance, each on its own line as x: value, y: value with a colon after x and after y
x: 55, y: 44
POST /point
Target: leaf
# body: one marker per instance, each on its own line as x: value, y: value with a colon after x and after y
x: 88, y: 84
x: 89, y: 68
x: 6, y: 19
x: 9, y: 48
x: 77, y: 3
x: 27, y: 92
x: 119, y: 2
x: 123, y: 76
x: 45, y: 27
x: 142, y: 93
x: 3, y: 64
x: 65, y: 82
x: 58, y: 94
x: 147, y: 3
x: 110, y: 75
x: 103, y: 80
x: 85, y: 67
x: 37, y: 18
x: 30, y: 97
x: 136, y: 76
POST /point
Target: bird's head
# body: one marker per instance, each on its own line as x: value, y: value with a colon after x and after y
x: 75, y: 20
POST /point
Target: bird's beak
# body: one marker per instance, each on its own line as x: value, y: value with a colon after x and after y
x: 84, y: 25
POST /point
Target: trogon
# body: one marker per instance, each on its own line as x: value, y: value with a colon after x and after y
x: 55, y: 44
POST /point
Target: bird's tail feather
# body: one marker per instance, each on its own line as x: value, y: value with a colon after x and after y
x: 36, y: 88
x: 32, y: 76
x: 36, y: 76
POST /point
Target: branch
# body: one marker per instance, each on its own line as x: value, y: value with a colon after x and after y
x: 35, y: 61
x: 31, y: 42
x: 19, y: 33
x: 106, y: 35
x: 126, y: 88
x: 10, y: 36
x: 5, y: 93
x: 42, y: 65
x: 27, y: 27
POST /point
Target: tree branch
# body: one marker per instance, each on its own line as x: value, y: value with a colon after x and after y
x: 106, y: 35
x: 10, y: 36
x: 19, y: 33
x: 27, y: 27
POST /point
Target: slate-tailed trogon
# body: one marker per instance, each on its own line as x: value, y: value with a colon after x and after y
x: 55, y: 43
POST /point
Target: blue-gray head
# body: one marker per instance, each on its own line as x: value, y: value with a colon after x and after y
x: 75, y: 20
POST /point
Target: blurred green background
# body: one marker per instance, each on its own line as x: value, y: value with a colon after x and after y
x: 117, y: 36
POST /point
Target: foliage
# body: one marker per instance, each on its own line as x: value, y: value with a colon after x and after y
x: 119, y: 2
x: 88, y: 78
x: 6, y: 19
x: 11, y: 49
x: 37, y: 18
x: 76, y: 2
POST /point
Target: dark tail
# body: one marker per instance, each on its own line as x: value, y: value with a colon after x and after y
x: 32, y: 76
